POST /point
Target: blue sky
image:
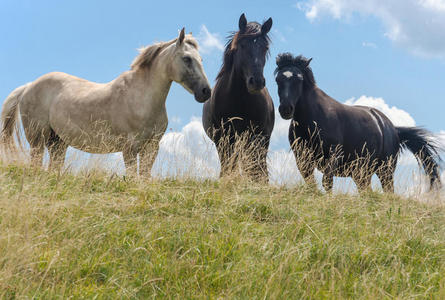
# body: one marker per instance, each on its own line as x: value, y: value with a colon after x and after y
x: 390, y: 50
x: 97, y: 40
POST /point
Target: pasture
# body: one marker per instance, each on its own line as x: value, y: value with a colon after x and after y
x: 93, y: 235
x: 240, y: 203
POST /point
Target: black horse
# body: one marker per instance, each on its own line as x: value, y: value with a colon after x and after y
x: 342, y: 140
x: 240, y: 105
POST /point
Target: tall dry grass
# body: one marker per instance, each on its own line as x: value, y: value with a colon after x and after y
x: 92, y: 234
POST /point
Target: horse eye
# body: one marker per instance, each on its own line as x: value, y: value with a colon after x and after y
x: 187, y: 59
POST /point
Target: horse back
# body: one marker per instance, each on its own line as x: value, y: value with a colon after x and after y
x: 357, y: 131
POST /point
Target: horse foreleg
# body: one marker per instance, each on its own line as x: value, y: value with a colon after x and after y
x: 328, y: 181
x: 259, y: 172
x: 147, y: 158
x: 227, y: 160
x: 306, y: 169
x: 363, y: 182
x: 255, y: 164
x: 130, y: 160
x: 37, y: 155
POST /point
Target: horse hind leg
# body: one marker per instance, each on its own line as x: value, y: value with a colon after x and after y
x: 57, y: 151
x: 362, y: 180
x: 328, y: 176
x: 36, y: 141
x: 385, y: 173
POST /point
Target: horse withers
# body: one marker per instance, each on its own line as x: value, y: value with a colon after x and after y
x: 343, y: 140
x: 240, y: 110
x: 127, y: 114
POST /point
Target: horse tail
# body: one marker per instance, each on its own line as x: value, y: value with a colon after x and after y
x: 8, y: 121
x: 426, y: 150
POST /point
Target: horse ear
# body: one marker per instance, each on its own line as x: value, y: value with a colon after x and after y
x: 242, y: 23
x: 308, y: 62
x: 181, y: 37
x: 265, y: 28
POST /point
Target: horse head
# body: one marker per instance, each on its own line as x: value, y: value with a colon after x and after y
x: 186, y: 67
x: 250, y: 46
x: 291, y: 75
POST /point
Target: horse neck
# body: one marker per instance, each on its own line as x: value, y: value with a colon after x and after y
x: 233, y: 82
x: 307, y: 104
x: 151, y: 84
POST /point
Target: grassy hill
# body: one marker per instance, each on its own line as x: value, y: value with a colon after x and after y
x: 92, y: 235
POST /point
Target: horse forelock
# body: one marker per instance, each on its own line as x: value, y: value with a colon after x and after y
x: 288, y: 60
x: 148, y: 54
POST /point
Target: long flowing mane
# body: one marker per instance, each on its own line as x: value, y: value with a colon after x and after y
x: 149, y: 53
x: 287, y: 59
x: 253, y: 29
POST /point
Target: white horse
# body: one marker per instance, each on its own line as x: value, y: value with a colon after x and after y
x: 127, y: 114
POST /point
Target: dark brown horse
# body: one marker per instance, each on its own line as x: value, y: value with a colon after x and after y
x: 342, y: 140
x: 240, y: 105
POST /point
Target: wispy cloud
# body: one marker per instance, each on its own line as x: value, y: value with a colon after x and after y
x: 417, y: 25
x: 369, y: 45
x: 175, y: 119
x: 279, y: 35
x: 208, y: 41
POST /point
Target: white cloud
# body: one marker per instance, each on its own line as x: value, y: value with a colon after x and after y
x: 189, y: 153
x: 398, y: 116
x: 208, y: 42
x: 418, y: 25
x: 175, y: 120
x: 280, y: 130
x: 283, y: 168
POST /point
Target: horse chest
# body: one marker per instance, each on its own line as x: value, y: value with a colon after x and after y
x: 241, y: 113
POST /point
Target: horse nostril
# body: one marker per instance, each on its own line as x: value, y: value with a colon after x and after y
x: 251, y: 81
x: 205, y: 91
x: 285, y: 110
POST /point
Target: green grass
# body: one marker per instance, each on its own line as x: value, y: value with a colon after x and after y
x: 92, y: 235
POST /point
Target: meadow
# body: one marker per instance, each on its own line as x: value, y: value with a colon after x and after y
x: 97, y: 235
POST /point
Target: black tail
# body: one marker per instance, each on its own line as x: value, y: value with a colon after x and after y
x: 420, y: 142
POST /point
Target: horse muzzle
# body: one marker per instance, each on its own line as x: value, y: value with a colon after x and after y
x: 286, y: 111
x: 203, y: 94
x: 255, y: 84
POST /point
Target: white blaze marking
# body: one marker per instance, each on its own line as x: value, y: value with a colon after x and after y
x: 288, y: 74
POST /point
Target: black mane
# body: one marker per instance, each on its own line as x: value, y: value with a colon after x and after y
x: 253, y: 30
x: 287, y: 59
